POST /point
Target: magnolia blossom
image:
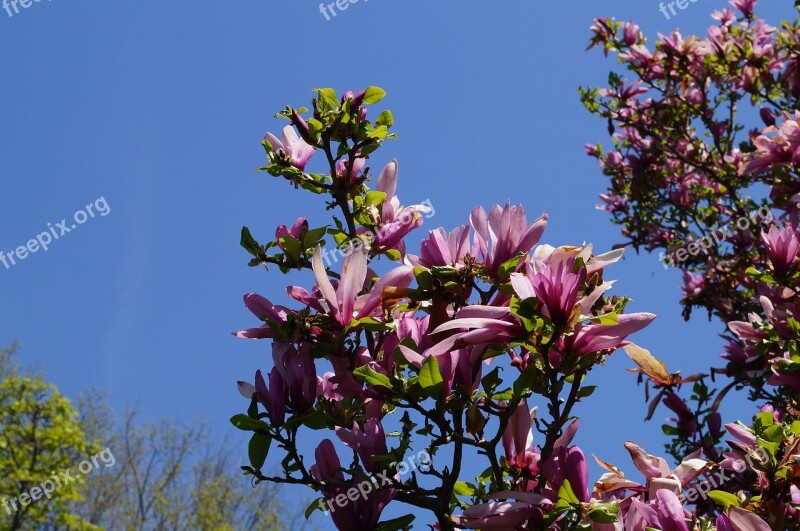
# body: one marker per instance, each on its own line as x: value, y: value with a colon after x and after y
x: 294, y: 147
x: 367, y: 442
x: 343, y: 302
x: 297, y: 230
x: 266, y: 311
x: 394, y: 222
x: 272, y: 397
x: 504, y: 233
x: 782, y: 246
x: 443, y: 249
x: 517, y: 508
x: 359, y: 514
x: 298, y: 370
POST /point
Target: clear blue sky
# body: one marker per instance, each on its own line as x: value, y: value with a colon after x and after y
x: 159, y: 107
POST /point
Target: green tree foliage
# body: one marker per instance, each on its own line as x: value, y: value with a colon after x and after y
x: 171, y: 476
x: 163, y: 475
x: 40, y: 436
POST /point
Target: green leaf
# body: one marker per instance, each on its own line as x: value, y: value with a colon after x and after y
x: 314, y: 236
x: 587, y: 391
x: 462, y: 488
x: 245, y: 423
x: 369, y: 323
x: 315, y: 506
x: 315, y: 420
x: 567, y: 495
x: 374, y: 95
x: 259, y: 449
x: 315, y: 127
x: 292, y: 247
x: 385, y: 118
x: 606, y: 319
x: 726, y: 499
x: 604, y: 513
x: 530, y: 379
x: 430, y: 377
x: 396, y: 524
x: 525, y: 309
x: 327, y: 98
x: 506, y: 395
x: 374, y: 198
x: 249, y: 243
x: 367, y: 375
x: 491, y: 381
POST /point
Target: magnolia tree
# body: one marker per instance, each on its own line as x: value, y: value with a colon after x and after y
x: 472, y: 348
x: 704, y: 171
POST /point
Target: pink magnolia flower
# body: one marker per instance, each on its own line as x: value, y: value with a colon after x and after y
x: 343, y: 302
x: 745, y: 438
x: 366, y: 443
x: 441, y: 249
x: 327, y: 388
x: 686, y: 419
x: 557, y: 290
x: 328, y: 466
x: 361, y: 514
x: 776, y: 145
x: 567, y: 463
x: 266, y: 311
x: 294, y: 147
x: 504, y: 233
x: 518, y: 435
x: 297, y: 368
x: 296, y: 231
x: 745, y: 6
x: 630, y: 33
x: 660, y: 476
x: 671, y: 514
x: 595, y: 337
x: 358, y: 165
x: 518, y: 440
x: 519, y: 507
x: 782, y: 246
x: 738, y: 519
x: 478, y: 326
x: 273, y: 398
x: 395, y: 222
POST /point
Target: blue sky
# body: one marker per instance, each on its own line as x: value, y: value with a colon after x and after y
x: 159, y: 107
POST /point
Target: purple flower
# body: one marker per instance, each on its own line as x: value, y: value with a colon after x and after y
x: 594, y: 337
x: 297, y: 368
x: 504, y: 233
x: 518, y: 437
x: 366, y: 443
x: 292, y: 146
x: 502, y: 516
x: 782, y: 246
x: 273, y: 398
x: 361, y: 514
x: 297, y: 231
x: 266, y: 311
x: 557, y: 289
